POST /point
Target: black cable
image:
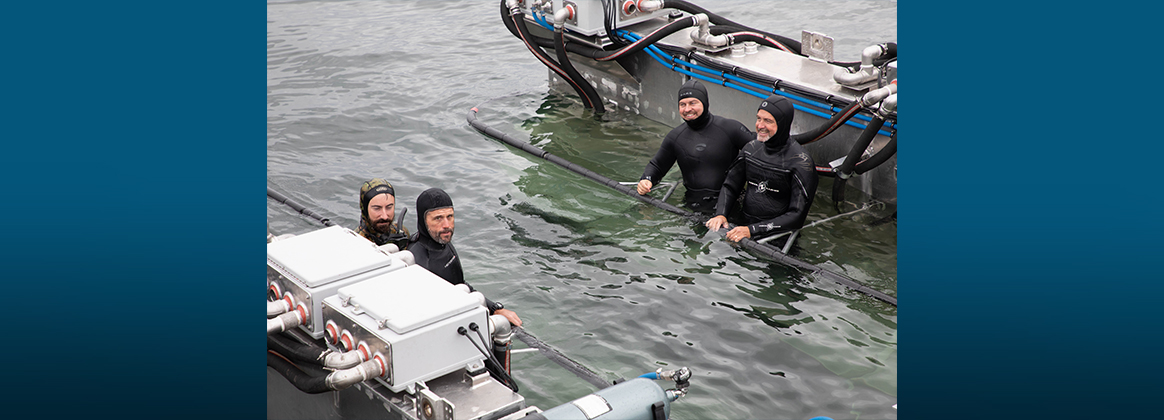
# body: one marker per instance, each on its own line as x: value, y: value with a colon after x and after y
x: 760, y: 248
x: 507, y: 381
x: 609, y: 12
x: 500, y: 368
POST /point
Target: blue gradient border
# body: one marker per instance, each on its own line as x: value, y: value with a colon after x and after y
x: 134, y: 168
x: 1027, y: 242
x: 133, y: 173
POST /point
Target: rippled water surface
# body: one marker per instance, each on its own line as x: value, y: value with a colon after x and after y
x: 358, y: 90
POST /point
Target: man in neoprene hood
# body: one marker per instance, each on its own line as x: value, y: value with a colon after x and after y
x: 704, y: 145
x: 433, y: 249
x: 777, y: 177
x: 377, y: 211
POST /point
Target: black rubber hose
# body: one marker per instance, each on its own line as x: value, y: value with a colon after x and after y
x: 868, y: 164
x: 729, y: 25
x: 592, y: 96
x: 651, y: 38
x: 846, y: 168
x: 762, y: 249
x: 643, y: 43
x: 764, y: 80
x: 298, y: 207
x: 547, y: 42
x: 294, y: 350
x: 303, y: 381
x: 746, y: 34
x: 880, y: 157
x: 829, y: 126
x: 523, y: 32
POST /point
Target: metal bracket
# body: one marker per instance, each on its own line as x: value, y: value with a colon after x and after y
x: 433, y: 407
x: 817, y: 46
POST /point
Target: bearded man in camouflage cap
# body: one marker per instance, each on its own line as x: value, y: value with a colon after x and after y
x: 377, y: 211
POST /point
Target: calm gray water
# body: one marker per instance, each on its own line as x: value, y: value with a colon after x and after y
x: 380, y: 89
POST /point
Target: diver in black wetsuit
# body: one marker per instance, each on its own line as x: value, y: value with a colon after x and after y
x: 432, y: 244
x: 704, y: 145
x: 377, y: 209
x: 778, y: 175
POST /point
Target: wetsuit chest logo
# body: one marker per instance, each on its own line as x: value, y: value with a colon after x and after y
x: 762, y: 186
x: 699, y: 147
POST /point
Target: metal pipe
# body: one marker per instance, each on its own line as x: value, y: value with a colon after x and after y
x: 341, y: 379
x: 703, y: 34
x: 500, y: 329
x: 868, y: 71
x: 337, y: 360
x: 889, y: 105
x: 877, y: 95
x: 562, y: 15
x: 650, y: 5
x: 277, y: 307
x: 285, y: 322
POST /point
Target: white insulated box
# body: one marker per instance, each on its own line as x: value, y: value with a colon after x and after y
x: 315, y: 265
x: 412, y: 316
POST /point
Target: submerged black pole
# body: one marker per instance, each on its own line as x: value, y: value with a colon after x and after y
x: 298, y: 207
x: 761, y: 249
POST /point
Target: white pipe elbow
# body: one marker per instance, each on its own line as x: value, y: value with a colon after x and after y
x: 562, y: 15
x: 341, y: 379
x: 877, y: 95
x: 284, y: 322
x: 711, y: 40
x: 277, y: 308
x: 649, y: 5
x: 888, y: 106
x: 865, y: 75
x: 343, y: 360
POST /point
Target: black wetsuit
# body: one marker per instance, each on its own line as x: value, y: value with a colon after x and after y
x: 779, y: 178
x: 440, y: 259
x: 704, y: 148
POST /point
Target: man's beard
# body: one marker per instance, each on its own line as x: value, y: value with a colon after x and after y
x: 762, y: 137
x: 383, y: 226
x: 437, y: 237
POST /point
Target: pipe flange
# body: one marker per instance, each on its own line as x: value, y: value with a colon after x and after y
x: 331, y: 332
x: 365, y: 353
x: 345, y: 341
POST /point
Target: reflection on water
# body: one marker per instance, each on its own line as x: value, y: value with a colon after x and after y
x: 356, y: 91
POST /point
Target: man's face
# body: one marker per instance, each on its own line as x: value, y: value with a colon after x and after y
x: 440, y: 224
x: 381, y: 210
x: 690, y: 109
x: 765, y: 125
